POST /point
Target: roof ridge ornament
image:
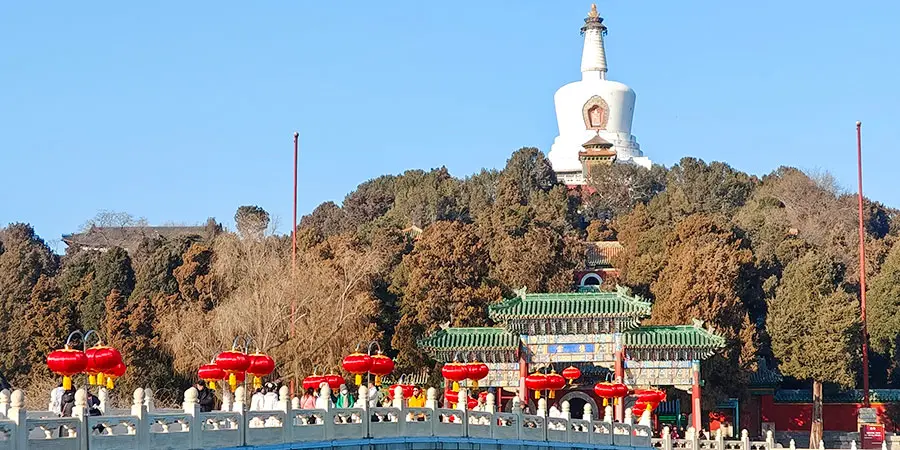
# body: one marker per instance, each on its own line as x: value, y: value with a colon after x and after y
x: 697, y: 323
x: 593, y: 12
x: 521, y: 292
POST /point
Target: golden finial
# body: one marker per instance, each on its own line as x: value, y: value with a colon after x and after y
x: 593, y: 12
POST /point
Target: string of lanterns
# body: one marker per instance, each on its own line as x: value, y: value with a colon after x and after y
x: 359, y: 364
x: 234, y: 365
x: 102, y: 364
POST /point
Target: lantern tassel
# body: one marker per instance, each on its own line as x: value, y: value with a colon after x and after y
x: 455, y: 386
x: 100, y: 379
x: 257, y: 382
x: 67, y: 383
x: 110, y: 384
x: 475, y: 384
x: 537, y: 395
x: 605, y: 402
x: 232, y: 381
x: 552, y: 394
x: 92, y: 379
x: 358, y: 379
x: 212, y: 385
x: 377, y: 380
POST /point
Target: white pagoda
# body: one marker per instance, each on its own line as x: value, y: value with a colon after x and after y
x: 593, y: 111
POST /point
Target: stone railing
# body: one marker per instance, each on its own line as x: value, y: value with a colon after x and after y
x: 720, y: 443
x: 144, y: 427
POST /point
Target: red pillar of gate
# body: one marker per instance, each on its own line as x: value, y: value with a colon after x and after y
x: 523, y: 372
x: 696, y: 413
x: 620, y: 378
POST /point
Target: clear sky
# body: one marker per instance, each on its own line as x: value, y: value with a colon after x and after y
x: 181, y: 110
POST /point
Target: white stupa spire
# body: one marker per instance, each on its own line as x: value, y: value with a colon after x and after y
x: 593, y: 57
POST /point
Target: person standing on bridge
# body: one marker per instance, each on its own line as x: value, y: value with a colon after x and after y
x: 308, y: 400
x: 205, y: 397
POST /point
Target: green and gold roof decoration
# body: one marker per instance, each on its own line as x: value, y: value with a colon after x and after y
x: 596, y: 304
x: 490, y: 344
x: 698, y: 342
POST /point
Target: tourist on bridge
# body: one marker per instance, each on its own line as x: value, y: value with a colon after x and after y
x: 257, y: 401
x: 56, y: 399
x: 68, y: 403
x: 417, y: 400
x: 344, y: 400
x: 205, y: 397
x: 308, y: 400
x: 270, y: 401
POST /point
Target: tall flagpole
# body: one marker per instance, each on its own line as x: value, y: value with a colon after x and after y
x: 862, y: 270
x: 294, y: 249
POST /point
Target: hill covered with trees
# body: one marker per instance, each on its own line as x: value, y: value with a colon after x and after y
x: 770, y: 262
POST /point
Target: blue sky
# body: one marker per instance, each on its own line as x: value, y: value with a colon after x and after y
x: 177, y: 111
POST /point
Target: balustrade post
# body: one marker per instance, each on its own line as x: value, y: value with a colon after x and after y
x: 80, y: 411
x: 666, y: 438
x: 103, y: 396
x: 490, y: 403
x: 542, y: 407
x: 720, y: 439
x: 148, y: 400
x: 284, y: 405
x: 694, y: 436
x: 4, y: 402
x: 139, y: 411
x: 792, y: 445
x: 629, y: 418
x: 587, y: 412
x: 821, y: 445
x: 192, y: 408
x: 431, y: 398
x: 770, y: 440
x: 16, y: 412
x: 239, y: 408
x: 608, y: 414
x: 745, y: 440
x: 566, y: 410
x: 227, y: 399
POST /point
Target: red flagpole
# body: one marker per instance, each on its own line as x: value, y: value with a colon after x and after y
x: 862, y: 270
x: 294, y: 247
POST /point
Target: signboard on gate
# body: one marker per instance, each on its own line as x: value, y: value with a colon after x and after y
x: 871, y: 435
x: 867, y: 415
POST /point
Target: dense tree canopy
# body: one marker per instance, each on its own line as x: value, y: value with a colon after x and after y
x: 403, y: 254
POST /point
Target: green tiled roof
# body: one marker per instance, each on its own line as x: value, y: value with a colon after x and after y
x: 849, y: 396
x: 764, y: 375
x: 679, y: 336
x: 485, y: 338
x: 570, y: 305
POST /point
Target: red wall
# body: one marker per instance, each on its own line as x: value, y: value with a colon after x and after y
x: 797, y: 416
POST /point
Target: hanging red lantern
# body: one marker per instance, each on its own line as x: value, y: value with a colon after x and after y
x: 407, y: 390
x: 381, y: 366
x: 260, y: 366
x: 571, y: 373
x: 210, y: 373
x: 649, y: 398
x: 471, y: 403
x: 313, y: 382
x: 334, y: 381
x: 555, y: 382
x: 101, y: 360
x: 451, y: 396
x: 233, y: 362
x: 114, y: 374
x: 536, y: 382
x: 455, y: 372
x: 66, y: 363
x: 476, y: 371
x: 357, y: 364
x: 608, y: 391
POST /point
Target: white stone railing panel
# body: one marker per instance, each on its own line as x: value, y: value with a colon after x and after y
x: 54, y: 434
x: 557, y: 429
x: 505, y: 426
x: 220, y: 429
x: 384, y: 422
x: 350, y: 423
x: 449, y: 423
x: 580, y: 431
x: 601, y: 432
x: 266, y: 428
x: 533, y: 428
x: 621, y: 434
x: 171, y: 431
x: 417, y: 422
x: 479, y: 424
x: 113, y: 432
x: 308, y: 425
x: 7, y: 434
x: 641, y: 436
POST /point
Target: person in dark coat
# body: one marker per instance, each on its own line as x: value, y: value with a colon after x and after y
x: 68, y: 403
x: 93, y: 405
x: 205, y: 397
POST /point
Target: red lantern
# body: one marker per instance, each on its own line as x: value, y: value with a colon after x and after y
x: 407, y: 390
x: 476, y: 371
x: 451, y: 396
x: 101, y: 360
x: 455, y: 372
x: 334, y: 381
x: 381, y: 366
x: 608, y: 391
x: 536, y: 382
x: 210, y: 373
x: 113, y: 374
x: 649, y: 398
x: 571, y: 373
x: 233, y: 362
x: 260, y: 366
x: 471, y: 403
x: 357, y: 364
x: 313, y: 382
x: 67, y: 362
x: 555, y: 382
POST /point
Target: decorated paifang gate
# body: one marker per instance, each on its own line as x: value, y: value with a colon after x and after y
x: 596, y: 332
